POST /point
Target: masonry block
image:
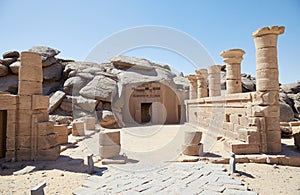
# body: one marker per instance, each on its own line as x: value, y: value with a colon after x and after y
x: 31, y: 73
x: 234, y: 118
x: 11, y: 129
x: 45, y: 128
x: 89, y: 123
x: 31, y: 59
x: 30, y: 88
x: 192, y: 150
x: 10, y: 144
x: 40, y: 102
x: 192, y: 137
x: 78, y: 128
x: 23, y: 142
x: 265, y: 98
x: 42, y: 115
x: 10, y: 155
x: 8, y: 102
x: 272, y: 123
x: 61, y: 129
x: 62, y: 139
x: 23, y: 154
x: 48, y: 154
x: 111, y: 137
x: 239, y: 147
x: 273, y: 147
x: 109, y: 151
x: 47, y: 141
x: 274, y: 136
x: 24, y: 102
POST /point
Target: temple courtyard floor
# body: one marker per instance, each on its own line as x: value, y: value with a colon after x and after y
x: 154, y: 165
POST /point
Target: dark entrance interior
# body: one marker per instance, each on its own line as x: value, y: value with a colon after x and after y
x: 145, y: 112
x: 3, y: 122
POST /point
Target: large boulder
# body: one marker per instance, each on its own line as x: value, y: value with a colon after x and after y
x: 286, y: 112
x: 11, y: 54
x: 3, y: 70
x: 50, y: 86
x: 49, y: 61
x: 55, y: 100
x: 53, y: 72
x: 248, y: 83
x: 8, y: 61
x: 108, y: 119
x: 291, y: 88
x: 9, y: 84
x: 45, y: 52
x: 100, y: 88
x: 73, y: 85
x: 85, y: 104
x: 14, y: 67
x: 126, y: 62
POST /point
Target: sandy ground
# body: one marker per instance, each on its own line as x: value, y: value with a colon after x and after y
x: 143, y: 146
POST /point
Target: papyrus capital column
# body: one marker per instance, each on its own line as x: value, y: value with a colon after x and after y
x: 233, y: 59
x: 201, y: 76
x: 214, y: 79
x: 267, y: 83
x: 193, y: 86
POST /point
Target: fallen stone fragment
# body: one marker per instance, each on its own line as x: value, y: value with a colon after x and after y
x: 27, y: 169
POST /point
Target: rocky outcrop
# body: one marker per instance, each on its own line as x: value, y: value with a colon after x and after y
x: 286, y: 113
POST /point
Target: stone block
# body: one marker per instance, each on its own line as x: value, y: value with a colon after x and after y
x: 249, y: 136
x: 238, y: 147
x: 62, y: 139
x: 23, y: 154
x: 78, y: 129
x: 61, y: 129
x: 267, y: 52
x: 233, y: 72
x: 31, y: 59
x: 31, y: 73
x: 266, y: 41
x: 214, y: 82
x: 10, y: 155
x: 273, y: 147
x: 42, y: 115
x: 267, y: 84
x: 266, y: 111
x: 40, y: 102
x: 109, y: 151
x: 231, y: 134
x: 273, y: 136
x: 11, y: 129
x: 48, y: 154
x: 30, y: 88
x: 23, y: 142
x: 89, y: 123
x: 24, y: 102
x: 111, y: 137
x: 294, y: 123
x: 10, y: 144
x: 272, y: 123
x: 269, y: 60
x: 267, y: 73
x: 47, y: 141
x: 228, y: 126
x: 213, y: 69
x: 259, y: 122
x: 45, y: 128
x: 192, y: 137
x: 8, y: 102
x: 244, y: 121
x: 265, y: 98
x: 55, y: 100
x: 192, y: 150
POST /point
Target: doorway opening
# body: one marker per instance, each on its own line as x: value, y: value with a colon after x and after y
x: 146, y: 112
x: 3, y: 123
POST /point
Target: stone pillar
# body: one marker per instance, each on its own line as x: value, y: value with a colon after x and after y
x: 214, y: 79
x: 233, y: 59
x: 201, y: 76
x: 267, y: 83
x: 193, y: 86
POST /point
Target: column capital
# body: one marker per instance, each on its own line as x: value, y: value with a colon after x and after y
x: 201, y: 73
x: 191, y: 77
x: 233, y: 55
x: 277, y: 30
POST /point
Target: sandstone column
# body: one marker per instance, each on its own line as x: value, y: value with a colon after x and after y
x: 201, y: 76
x: 193, y: 86
x: 233, y: 59
x: 214, y: 79
x: 267, y: 83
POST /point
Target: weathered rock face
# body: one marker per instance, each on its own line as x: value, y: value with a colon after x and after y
x: 286, y: 112
x: 14, y: 67
x: 126, y: 62
x: 11, y: 54
x: 3, y: 70
x: 9, y: 83
x: 100, y: 88
x: 46, y: 52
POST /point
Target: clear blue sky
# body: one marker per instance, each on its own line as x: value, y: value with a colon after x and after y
x: 76, y: 27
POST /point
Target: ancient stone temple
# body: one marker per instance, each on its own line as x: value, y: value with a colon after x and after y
x: 248, y: 121
x: 25, y: 130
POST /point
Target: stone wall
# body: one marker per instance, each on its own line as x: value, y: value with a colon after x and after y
x: 29, y: 134
x: 248, y: 121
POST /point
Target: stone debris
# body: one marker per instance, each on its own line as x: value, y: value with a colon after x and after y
x: 25, y: 170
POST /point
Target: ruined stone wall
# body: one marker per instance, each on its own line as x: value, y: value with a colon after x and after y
x: 30, y: 135
x: 248, y: 121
